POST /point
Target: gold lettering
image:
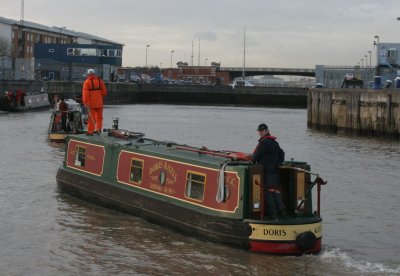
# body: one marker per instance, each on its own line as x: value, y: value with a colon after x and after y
x: 167, y: 167
x: 275, y: 232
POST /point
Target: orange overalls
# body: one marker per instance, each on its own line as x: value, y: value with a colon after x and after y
x: 93, y: 92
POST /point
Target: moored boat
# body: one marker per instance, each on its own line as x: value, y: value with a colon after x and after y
x: 194, y: 190
x: 19, y: 101
x: 75, y: 122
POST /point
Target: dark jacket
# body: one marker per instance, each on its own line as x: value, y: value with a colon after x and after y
x: 63, y: 107
x: 269, y: 153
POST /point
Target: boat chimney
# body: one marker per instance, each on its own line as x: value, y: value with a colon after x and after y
x: 115, y: 123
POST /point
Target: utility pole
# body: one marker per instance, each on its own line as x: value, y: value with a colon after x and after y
x: 198, y: 62
x: 22, y: 12
x: 244, y: 51
x: 192, y: 52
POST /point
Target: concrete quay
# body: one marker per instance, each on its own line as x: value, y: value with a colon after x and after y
x: 131, y: 93
x: 355, y: 111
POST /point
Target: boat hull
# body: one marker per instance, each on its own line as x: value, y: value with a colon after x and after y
x: 191, y: 222
x: 235, y: 232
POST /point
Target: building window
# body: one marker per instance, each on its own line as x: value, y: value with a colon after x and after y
x: 136, y: 171
x: 80, y: 156
x: 81, y: 52
x: 195, y: 183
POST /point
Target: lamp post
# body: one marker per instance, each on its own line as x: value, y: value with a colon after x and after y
x: 59, y: 50
x: 377, y: 39
x: 171, y: 56
x: 377, y: 71
x: 59, y: 39
x: 366, y: 61
x: 147, y: 46
x: 205, y: 61
x: 369, y: 52
x: 362, y: 63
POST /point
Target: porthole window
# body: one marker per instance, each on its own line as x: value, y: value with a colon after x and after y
x: 162, y: 177
x: 136, y: 171
x: 80, y: 156
x: 195, y: 183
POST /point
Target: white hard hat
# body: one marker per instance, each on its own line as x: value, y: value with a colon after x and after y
x: 90, y: 71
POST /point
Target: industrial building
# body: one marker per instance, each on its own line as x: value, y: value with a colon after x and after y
x: 384, y: 74
x: 31, y: 51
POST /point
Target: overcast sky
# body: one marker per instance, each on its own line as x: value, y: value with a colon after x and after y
x: 290, y: 34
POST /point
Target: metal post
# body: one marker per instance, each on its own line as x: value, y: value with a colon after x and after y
x: 147, y: 46
x: 171, y: 56
x: 377, y: 55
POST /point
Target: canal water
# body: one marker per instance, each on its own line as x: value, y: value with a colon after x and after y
x: 45, y: 232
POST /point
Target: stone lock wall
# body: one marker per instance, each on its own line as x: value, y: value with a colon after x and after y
x: 355, y: 111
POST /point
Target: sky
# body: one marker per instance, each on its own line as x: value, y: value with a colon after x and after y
x: 279, y: 34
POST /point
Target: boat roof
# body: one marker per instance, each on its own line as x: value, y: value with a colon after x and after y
x: 165, y: 149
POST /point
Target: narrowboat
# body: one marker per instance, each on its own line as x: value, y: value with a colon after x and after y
x: 75, y: 122
x: 196, y: 191
x: 17, y: 102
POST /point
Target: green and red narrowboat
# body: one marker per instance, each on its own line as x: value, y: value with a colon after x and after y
x: 195, y: 191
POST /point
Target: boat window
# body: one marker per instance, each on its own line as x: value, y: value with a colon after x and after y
x: 195, y: 185
x: 136, y: 172
x: 80, y: 156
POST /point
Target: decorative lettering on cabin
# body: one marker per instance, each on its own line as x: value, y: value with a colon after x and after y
x: 231, y: 181
x: 168, y: 177
x: 162, y: 189
x: 93, y: 155
x: 154, y: 172
x: 317, y: 230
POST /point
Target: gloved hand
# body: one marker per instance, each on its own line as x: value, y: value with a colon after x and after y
x: 233, y: 156
x: 240, y: 156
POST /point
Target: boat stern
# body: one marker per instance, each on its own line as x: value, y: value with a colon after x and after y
x: 285, y: 236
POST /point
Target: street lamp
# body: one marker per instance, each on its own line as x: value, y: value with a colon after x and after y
x: 369, y: 52
x: 366, y: 61
x: 171, y: 56
x: 362, y: 63
x: 205, y: 61
x: 147, y: 46
x: 377, y: 39
x: 59, y: 39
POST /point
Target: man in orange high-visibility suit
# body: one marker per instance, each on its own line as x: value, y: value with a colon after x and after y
x: 93, y: 92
